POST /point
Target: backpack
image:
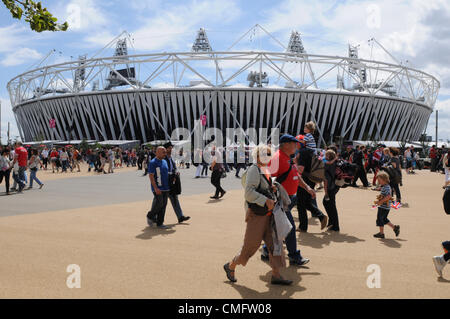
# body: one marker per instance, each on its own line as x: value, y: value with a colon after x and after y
x: 394, y: 176
x: 345, y: 172
x: 317, y: 173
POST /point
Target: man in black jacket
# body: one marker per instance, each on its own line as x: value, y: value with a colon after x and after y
x: 173, y: 175
x: 358, y: 159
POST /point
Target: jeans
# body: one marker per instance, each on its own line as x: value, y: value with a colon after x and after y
x: 5, y: 174
x: 33, y: 177
x: 158, y: 210
x: 205, y: 170
x: 330, y: 207
x: 305, y: 202
x: 176, y: 206
x: 20, y: 178
x: 64, y: 165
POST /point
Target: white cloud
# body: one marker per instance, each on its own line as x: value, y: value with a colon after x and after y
x: 172, y: 27
x: 20, y: 56
x: 82, y: 15
x: 7, y: 115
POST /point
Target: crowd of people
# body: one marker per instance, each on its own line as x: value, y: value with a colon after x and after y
x: 298, y: 167
x: 274, y: 182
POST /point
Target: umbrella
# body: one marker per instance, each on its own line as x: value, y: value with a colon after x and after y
x: 42, y: 145
x: 68, y: 145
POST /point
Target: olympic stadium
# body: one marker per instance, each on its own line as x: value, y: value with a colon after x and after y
x: 123, y: 96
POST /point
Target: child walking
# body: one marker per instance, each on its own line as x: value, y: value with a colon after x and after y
x: 384, y: 204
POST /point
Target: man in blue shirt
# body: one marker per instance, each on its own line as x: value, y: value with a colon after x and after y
x: 159, y: 178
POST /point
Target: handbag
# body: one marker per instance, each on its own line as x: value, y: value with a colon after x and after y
x: 283, y: 225
x: 174, y: 184
x: 257, y: 209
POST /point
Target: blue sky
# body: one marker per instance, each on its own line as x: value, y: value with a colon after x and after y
x: 411, y: 30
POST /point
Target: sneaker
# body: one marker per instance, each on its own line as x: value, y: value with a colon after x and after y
x: 280, y: 281
x: 298, y: 261
x: 324, y: 222
x: 379, y: 235
x: 397, y: 230
x: 40, y: 187
x: 439, y: 264
x: 150, y: 222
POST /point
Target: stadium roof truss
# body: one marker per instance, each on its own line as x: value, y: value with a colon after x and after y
x: 218, y: 70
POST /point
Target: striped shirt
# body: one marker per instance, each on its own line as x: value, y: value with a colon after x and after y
x: 386, y: 191
x: 310, y: 141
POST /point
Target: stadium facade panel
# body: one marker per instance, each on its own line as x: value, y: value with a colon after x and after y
x: 147, y: 115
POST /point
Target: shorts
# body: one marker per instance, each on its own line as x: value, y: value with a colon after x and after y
x: 382, y: 216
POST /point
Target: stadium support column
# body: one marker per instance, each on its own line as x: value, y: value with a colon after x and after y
x: 437, y: 125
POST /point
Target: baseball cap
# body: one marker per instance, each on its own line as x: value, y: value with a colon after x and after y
x: 286, y: 138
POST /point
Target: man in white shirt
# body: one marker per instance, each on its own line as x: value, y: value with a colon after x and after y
x: 45, y: 158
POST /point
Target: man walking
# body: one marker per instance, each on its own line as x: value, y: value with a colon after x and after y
x: 286, y: 174
x: 305, y: 193
x: 173, y: 175
x: 159, y: 178
x: 358, y: 158
x: 433, y: 157
x: 21, y: 158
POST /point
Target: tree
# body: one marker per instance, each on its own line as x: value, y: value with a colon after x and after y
x: 37, y: 16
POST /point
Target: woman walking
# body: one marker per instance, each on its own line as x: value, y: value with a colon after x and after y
x: 217, y: 171
x: 331, y: 189
x: 5, y: 168
x: 257, y: 182
x: 34, y: 163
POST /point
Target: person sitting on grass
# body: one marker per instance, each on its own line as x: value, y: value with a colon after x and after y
x: 384, y: 204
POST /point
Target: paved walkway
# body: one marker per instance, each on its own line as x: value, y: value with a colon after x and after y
x: 98, y: 190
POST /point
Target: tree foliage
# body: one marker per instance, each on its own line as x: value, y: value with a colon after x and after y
x: 37, y: 16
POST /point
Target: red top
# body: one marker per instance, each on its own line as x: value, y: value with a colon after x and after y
x: 433, y: 153
x: 22, y: 156
x: 279, y: 165
x: 54, y: 154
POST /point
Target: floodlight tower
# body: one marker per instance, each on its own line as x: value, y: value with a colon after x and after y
x: 80, y: 74
x: 296, y: 46
x: 355, y: 67
x: 201, y: 43
x: 121, y: 49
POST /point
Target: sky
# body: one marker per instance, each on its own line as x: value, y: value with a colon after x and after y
x: 416, y: 31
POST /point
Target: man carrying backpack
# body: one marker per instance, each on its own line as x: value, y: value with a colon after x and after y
x: 305, y: 199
